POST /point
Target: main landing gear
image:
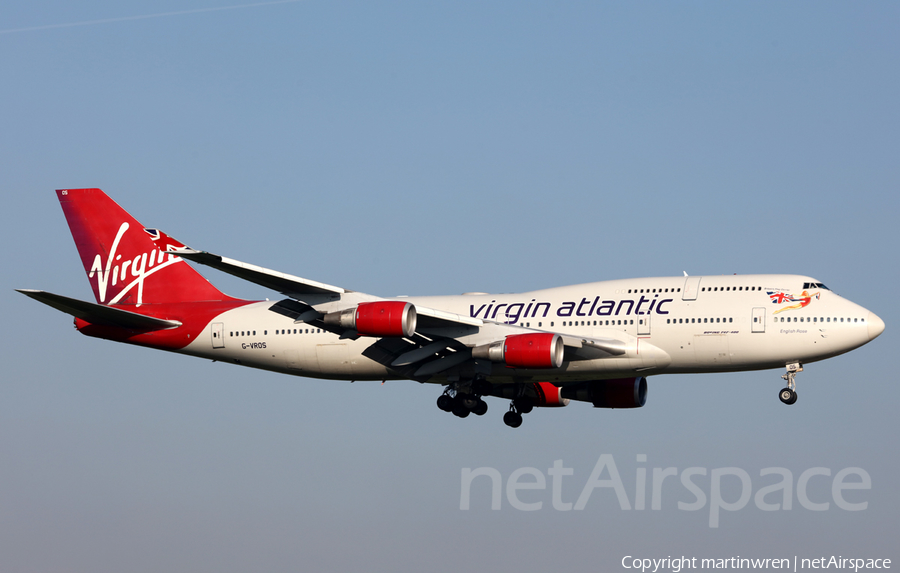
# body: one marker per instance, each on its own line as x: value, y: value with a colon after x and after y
x: 789, y: 395
x: 519, y: 406
x: 463, y: 400
x: 512, y: 418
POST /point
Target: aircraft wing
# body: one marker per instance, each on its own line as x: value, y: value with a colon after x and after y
x: 433, y: 318
x: 588, y: 347
x: 435, y: 351
x: 290, y: 285
x: 299, y: 288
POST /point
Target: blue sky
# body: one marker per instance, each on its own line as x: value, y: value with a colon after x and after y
x: 436, y: 148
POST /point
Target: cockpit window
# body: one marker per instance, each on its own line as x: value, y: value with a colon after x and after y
x: 815, y: 285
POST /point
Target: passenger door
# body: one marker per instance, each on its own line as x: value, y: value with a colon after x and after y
x: 643, y: 327
x: 691, y: 288
x: 218, y: 335
x: 758, y: 320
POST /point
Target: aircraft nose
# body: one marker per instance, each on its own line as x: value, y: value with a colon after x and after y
x: 876, y: 325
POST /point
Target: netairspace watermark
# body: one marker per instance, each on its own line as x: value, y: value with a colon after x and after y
x: 774, y: 490
x: 677, y: 564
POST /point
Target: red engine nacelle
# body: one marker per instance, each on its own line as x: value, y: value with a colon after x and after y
x: 617, y: 393
x: 549, y: 395
x: 538, y: 394
x: 381, y: 318
x: 536, y: 350
x: 387, y: 318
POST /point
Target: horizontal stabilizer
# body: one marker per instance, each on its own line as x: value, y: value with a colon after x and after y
x: 98, y: 313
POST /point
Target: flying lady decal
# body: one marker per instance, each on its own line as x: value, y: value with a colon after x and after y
x: 780, y: 297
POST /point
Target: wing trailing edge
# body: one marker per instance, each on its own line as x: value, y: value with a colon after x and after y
x: 290, y: 285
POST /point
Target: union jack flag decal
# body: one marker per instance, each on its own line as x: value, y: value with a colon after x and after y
x: 780, y: 297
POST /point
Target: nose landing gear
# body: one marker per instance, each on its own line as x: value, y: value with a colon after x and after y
x: 789, y: 395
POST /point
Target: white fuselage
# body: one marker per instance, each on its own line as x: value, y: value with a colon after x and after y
x: 667, y: 324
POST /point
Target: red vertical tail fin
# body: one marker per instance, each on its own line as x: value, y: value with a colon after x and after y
x: 126, y: 263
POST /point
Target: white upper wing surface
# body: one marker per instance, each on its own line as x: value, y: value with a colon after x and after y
x: 304, y: 290
x: 289, y: 285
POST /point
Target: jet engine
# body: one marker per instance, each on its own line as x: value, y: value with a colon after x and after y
x: 380, y: 318
x: 537, y: 394
x: 616, y: 393
x: 536, y: 350
x: 549, y: 395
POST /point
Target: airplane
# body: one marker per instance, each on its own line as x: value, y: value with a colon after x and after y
x: 596, y: 342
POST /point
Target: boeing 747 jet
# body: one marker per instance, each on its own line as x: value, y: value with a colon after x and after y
x: 595, y: 342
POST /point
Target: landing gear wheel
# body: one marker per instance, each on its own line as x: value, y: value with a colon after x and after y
x: 512, y: 419
x: 523, y: 405
x: 468, y: 401
x: 787, y: 396
x: 480, y: 408
x: 445, y: 403
x: 460, y: 411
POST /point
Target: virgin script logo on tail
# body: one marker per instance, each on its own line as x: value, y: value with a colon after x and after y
x: 137, y: 268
